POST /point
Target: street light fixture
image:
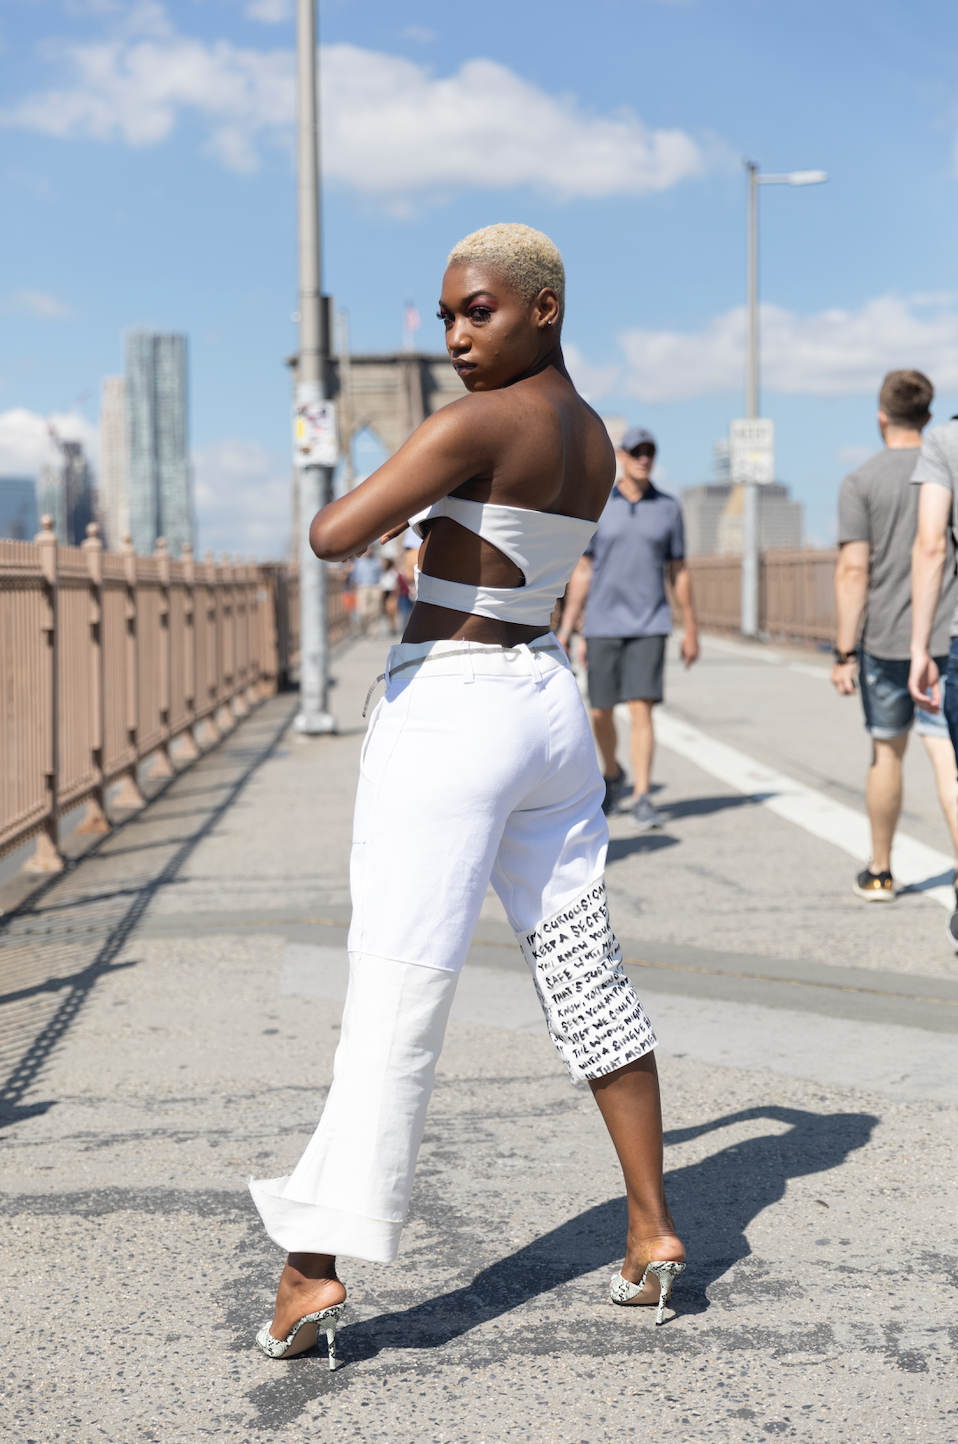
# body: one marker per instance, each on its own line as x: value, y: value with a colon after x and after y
x: 750, y: 537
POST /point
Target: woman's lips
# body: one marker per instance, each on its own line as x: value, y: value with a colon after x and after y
x: 463, y: 368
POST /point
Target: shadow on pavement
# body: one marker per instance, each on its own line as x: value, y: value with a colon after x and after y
x: 704, y: 806
x: 621, y: 847
x: 713, y: 1201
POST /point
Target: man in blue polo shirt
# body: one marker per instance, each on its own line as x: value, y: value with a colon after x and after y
x: 621, y: 582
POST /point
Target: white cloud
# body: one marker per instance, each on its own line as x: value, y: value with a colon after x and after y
x: 37, y: 303
x: 25, y: 442
x: 590, y: 381
x: 833, y: 353
x: 391, y: 129
x: 270, y: 12
x: 243, y: 499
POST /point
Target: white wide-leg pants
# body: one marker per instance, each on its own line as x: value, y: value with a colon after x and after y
x: 478, y: 765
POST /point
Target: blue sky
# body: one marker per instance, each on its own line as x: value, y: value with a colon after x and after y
x: 146, y: 166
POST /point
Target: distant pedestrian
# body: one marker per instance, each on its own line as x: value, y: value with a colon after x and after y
x: 621, y: 582
x: 389, y: 587
x: 365, y: 577
x: 933, y: 678
x: 877, y: 521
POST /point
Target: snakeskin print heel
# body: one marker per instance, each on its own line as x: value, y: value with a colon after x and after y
x: 326, y: 1319
x: 622, y: 1292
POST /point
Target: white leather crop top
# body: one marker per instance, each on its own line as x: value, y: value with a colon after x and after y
x: 544, y: 546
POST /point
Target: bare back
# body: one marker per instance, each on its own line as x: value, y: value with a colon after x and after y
x: 550, y: 452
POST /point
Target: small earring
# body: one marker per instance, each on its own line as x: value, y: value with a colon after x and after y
x: 548, y: 323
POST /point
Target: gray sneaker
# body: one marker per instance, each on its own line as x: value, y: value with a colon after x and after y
x: 643, y: 815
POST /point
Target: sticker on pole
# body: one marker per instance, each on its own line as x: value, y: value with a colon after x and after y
x: 315, y: 434
x: 752, y: 450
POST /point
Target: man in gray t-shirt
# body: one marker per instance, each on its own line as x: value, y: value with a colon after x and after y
x: 877, y: 521
x: 936, y: 480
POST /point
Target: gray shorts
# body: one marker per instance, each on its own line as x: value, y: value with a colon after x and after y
x: 625, y: 669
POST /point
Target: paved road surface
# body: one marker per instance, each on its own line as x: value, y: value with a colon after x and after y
x: 169, y: 1013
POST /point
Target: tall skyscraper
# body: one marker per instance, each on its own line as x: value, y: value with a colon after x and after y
x: 160, y: 490
x: 114, y: 461
x: 18, y: 508
x: 66, y: 491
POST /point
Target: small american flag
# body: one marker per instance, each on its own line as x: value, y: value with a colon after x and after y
x: 411, y: 319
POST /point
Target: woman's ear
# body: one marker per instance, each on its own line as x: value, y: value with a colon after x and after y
x: 547, y: 308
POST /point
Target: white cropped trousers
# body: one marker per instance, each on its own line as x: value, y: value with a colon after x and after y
x: 478, y: 765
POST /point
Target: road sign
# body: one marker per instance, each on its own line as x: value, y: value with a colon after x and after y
x: 752, y: 450
x: 315, y: 434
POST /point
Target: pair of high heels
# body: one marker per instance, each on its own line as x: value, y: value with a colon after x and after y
x: 305, y: 1331
x: 628, y: 1294
x: 304, y: 1334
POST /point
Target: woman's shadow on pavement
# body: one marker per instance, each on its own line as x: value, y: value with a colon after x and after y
x: 713, y: 1201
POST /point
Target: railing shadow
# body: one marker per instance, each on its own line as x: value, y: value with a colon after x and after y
x: 26, y: 1071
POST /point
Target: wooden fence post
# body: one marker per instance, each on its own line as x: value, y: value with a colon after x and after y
x: 162, y: 766
x: 129, y: 794
x: 189, y: 750
x: 47, y: 856
x: 95, y: 820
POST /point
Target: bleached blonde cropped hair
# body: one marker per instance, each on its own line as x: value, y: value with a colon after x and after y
x: 525, y: 258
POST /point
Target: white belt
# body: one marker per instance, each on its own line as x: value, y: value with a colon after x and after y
x: 527, y: 658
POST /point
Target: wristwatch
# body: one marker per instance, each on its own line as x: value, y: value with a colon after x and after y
x: 842, y: 658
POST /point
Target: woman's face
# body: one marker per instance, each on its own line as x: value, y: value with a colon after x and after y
x: 492, y: 335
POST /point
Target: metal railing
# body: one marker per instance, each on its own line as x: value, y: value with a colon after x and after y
x: 796, y: 594
x: 107, y: 658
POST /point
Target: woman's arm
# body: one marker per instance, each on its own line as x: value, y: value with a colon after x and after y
x: 449, y: 448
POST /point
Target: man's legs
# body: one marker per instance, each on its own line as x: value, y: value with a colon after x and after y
x: 605, y: 735
x: 883, y: 797
x: 643, y: 745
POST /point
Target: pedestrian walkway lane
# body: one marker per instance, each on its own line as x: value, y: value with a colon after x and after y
x: 169, y: 1015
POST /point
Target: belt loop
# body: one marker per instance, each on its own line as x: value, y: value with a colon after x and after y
x: 534, y: 669
x: 468, y: 671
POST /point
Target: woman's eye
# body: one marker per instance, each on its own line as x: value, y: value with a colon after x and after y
x: 444, y: 317
x: 480, y: 313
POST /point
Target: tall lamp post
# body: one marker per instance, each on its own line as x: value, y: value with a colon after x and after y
x: 750, y: 536
x: 314, y: 414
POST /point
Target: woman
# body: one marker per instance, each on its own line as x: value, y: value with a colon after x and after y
x: 506, y: 486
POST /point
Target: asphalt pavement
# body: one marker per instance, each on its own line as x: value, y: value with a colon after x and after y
x: 169, y: 1011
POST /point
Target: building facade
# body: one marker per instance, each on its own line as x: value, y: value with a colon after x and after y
x: 160, y: 488
x: 19, y: 520
x: 713, y: 519
x: 114, y: 462
x: 66, y: 492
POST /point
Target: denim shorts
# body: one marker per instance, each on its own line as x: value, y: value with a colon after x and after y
x: 889, y: 709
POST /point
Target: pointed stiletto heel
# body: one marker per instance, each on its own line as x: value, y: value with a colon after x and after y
x: 622, y: 1292
x: 326, y: 1319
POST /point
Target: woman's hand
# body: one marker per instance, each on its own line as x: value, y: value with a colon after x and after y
x: 392, y: 535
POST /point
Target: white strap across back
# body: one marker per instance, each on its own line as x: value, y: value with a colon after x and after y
x: 543, y: 545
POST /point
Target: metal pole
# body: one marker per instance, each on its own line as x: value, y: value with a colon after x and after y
x: 750, y: 537
x: 315, y: 482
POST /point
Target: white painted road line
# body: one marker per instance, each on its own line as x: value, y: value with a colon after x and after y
x: 914, y: 864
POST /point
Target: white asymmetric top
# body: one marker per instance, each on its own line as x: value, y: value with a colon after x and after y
x: 544, y: 546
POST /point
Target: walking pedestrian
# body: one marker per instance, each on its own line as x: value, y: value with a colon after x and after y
x: 366, y: 572
x: 482, y: 715
x: 877, y: 523
x: 933, y: 680
x: 389, y: 587
x: 620, y: 582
